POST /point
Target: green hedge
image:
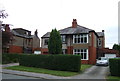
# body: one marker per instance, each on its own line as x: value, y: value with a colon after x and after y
x: 114, y: 65
x: 10, y: 58
x: 54, y: 62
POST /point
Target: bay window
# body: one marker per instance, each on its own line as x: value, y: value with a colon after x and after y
x: 82, y: 38
x: 82, y: 52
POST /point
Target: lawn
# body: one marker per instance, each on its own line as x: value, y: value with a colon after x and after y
x: 84, y: 67
x: 46, y: 71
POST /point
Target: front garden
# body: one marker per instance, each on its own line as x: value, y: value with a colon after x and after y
x: 59, y: 65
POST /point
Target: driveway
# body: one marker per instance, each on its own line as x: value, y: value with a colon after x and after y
x: 95, y: 72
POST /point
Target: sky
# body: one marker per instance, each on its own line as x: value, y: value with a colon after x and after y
x: 45, y: 15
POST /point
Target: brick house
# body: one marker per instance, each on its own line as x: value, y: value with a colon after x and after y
x: 77, y: 39
x: 23, y: 41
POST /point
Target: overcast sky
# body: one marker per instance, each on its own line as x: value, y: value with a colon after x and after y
x: 46, y: 15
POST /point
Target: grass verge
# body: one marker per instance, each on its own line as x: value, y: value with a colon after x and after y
x: 46, y: 71
x: 113, y: 78
x: 84, y: 67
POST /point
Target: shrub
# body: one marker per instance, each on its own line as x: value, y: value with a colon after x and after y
x: 10, y: 58
x: 114, y: 65
x: 54, y: 62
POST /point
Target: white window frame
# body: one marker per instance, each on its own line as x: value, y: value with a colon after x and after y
x: 63, y: 38
x: 78, y: 37
x: 64, y: 51
x: 87, y: 55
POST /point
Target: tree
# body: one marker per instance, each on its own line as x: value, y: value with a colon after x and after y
x: 3, y: 14
x: 116, y: 47
x: 6, y: 36
x: 55, y: 43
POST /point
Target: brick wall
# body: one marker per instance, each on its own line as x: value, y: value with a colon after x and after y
x: 92, y: 49
x: 44, y: 50
x: 84, y: 61
x: 69, y: 49
x: 15, y: 49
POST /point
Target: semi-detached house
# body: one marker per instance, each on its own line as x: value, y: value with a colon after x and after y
x: 77, y: 40
x: 23, y: 41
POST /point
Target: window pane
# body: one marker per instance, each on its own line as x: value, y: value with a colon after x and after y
x: 81, y: 50
x: 74, y: 50
x: 81, y: 55
x: 78, y: 40
x: 85, y: 50
x: 78, y: 50
x: 75, y: 40
x: 85, y: 39
x: 85, y: 57
x: 82, y: 40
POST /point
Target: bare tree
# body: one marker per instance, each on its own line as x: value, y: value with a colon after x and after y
x: 3, y: 14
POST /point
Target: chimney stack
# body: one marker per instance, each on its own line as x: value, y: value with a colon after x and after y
x: 74, y: 23
x: 7, y: 28
x: 36, y: 33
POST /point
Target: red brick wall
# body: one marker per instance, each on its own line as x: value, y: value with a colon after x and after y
x: 44, y: 50
x: 84, y: 61
x: 15, y: 49
x: 92, y: 55
x: 92, y: 51
x: 70, y: 50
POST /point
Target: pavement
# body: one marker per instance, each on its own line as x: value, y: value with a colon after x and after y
x: 95, y: 72
x: 13, y: 76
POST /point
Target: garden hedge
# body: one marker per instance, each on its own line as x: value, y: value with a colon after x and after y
x: 10, y: 58
x: 54, y: 62
x: 114, y: 65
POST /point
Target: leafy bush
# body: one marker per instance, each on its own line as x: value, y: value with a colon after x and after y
x: 10, y: 58
x: 54, y: 62
x: 114, y: 65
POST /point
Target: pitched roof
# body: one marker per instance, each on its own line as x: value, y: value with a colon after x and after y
x: 100, y: 34
x: 21, y: 29
x: 17, y: 34
x: 71, y: 30
x: 46, y: 35
x: 76, y: 30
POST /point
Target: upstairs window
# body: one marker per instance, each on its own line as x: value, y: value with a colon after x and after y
x: 46, y: 41
x: 63, y: 38
x: 99, y: 42
x: 82, y: 38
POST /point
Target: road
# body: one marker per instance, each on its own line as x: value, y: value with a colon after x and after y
x: 11, y: 76
x: 95, y: 72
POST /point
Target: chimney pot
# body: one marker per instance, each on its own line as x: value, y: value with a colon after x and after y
x: 103, y: 31
x: 74, y: 23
